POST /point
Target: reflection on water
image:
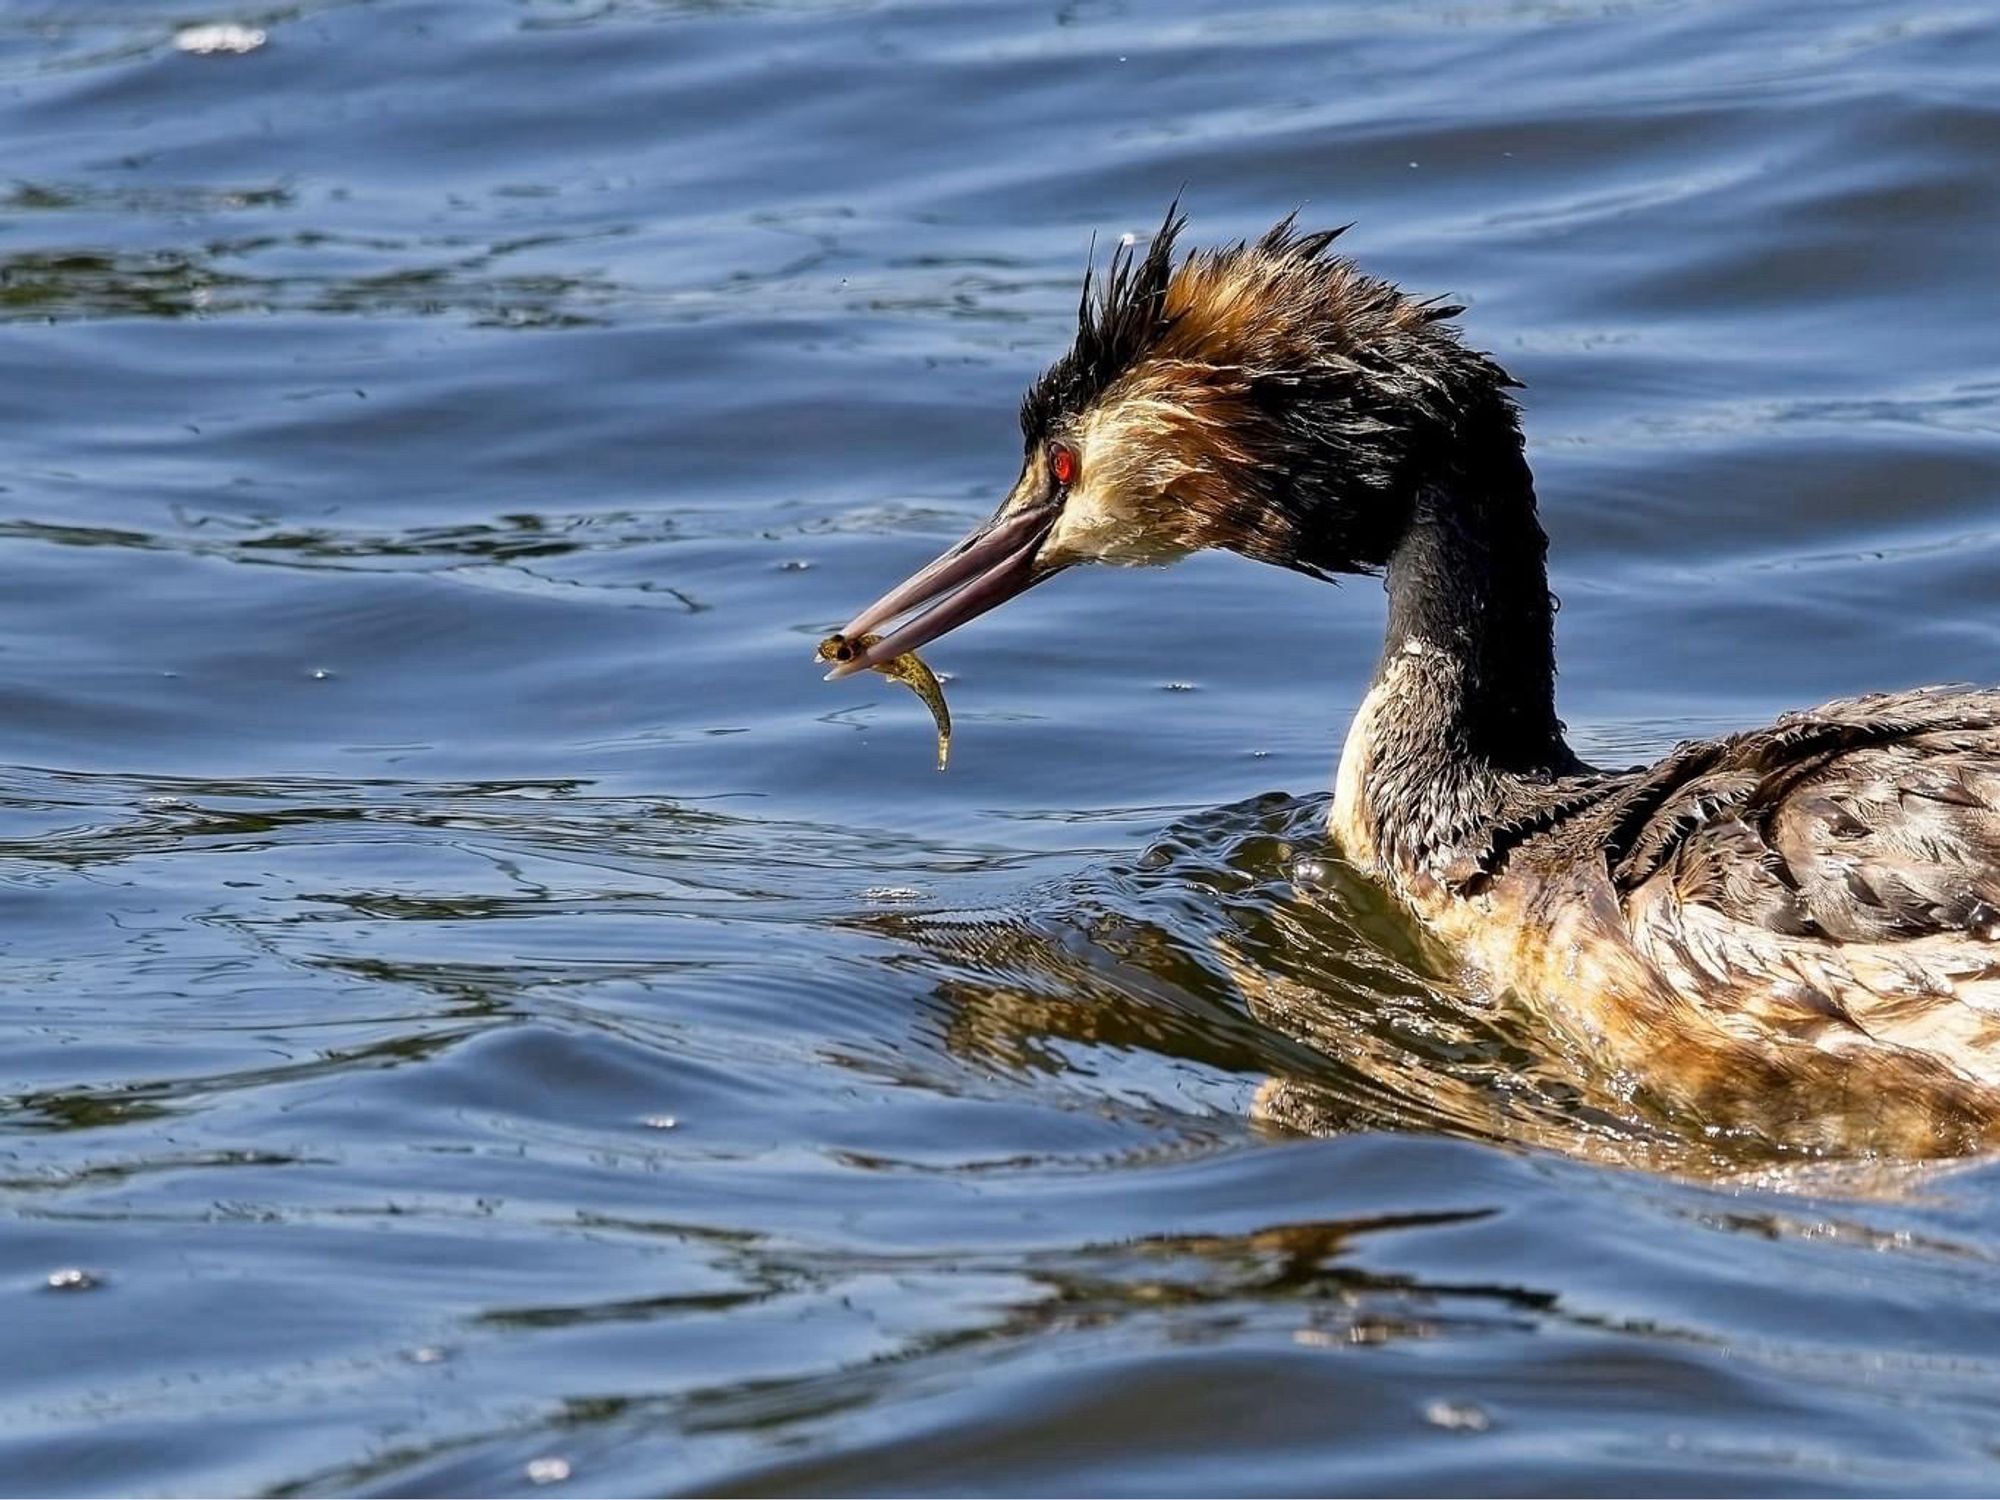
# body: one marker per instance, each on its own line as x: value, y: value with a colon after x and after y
x: 174, y: 284
x: 482, y: 1016
x: 1202, y: 949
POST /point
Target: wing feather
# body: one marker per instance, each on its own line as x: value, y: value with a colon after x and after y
x: 1835, y: 877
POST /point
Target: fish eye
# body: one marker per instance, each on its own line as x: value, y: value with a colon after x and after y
x: 1063, y: 463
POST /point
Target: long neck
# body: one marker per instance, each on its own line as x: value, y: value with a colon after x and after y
x: 1461, y: 711
x: 1468, y: 584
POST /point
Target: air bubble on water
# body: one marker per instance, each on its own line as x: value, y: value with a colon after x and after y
x: 661, y: 1122
x: 428, y: 1354
x: 547, y: 1470
x: 1310, y: 871
x: 794, y: 565
x: 892, y: 893
x: 1457, y: 1416
x: 1180, y: 687
x: 72, y: 1279
x: 321, y: 674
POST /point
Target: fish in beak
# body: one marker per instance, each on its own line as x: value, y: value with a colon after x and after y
x: 989, y: 567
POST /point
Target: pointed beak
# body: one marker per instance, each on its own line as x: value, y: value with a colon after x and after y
x: 987, y: 569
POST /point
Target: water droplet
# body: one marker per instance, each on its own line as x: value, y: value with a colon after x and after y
x: 73, y: 1279
x: 1457, y: 1416
x: 547, y: 1470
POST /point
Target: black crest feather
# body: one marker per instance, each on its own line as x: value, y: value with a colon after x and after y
x: 1283, y: 240
x: 1118, y: 318
x: 1122, y: 315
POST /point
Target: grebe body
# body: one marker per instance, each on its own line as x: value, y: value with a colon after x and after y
x: 1794, y: 929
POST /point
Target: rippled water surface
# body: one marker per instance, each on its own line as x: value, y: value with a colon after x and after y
x: 482, y: 1016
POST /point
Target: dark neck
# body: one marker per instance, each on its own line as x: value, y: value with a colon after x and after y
x: 1462, y: 709
x: 1468, y: 582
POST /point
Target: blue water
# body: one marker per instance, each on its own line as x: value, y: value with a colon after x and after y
x: 483, y: 1017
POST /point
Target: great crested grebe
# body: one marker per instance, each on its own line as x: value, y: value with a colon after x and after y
x: 1795, y: 928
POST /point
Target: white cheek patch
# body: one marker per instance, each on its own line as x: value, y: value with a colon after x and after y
x: 1089, y: 530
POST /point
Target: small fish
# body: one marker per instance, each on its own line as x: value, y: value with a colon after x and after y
x: 906, y: 669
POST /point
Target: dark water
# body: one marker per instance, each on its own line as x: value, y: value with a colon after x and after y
x: 473, y: 998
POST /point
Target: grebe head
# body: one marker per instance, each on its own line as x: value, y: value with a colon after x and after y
x: 1267, y: 398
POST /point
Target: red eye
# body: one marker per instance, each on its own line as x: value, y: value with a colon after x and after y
x: 1062, y: 462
